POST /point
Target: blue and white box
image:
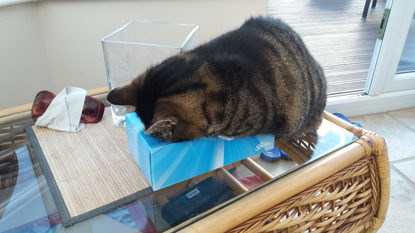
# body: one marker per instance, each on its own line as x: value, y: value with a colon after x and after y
x: 165, y: 163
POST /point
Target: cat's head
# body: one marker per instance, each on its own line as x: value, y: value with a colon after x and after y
x: 170, y: 109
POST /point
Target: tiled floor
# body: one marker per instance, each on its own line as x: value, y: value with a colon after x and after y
x: 398, y: 129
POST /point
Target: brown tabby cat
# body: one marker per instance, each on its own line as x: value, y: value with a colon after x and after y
x: 258, y: 79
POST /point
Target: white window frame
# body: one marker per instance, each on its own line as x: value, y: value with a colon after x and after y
x: 383, y: 77
x: 385, y: 90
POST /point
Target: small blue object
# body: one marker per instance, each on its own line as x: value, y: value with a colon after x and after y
x: 271, y: 155
x: 285, y: 156
x: 356, y: 124
x: 232, y: 170
x: 343, y: 117
x: 274, y: 155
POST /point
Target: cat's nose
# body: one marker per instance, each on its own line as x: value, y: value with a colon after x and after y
x: 113, y: 97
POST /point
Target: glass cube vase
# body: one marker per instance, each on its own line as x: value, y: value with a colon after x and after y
x: 138, y: 45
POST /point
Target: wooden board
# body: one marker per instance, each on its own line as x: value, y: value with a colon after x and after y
x: 88, y: 172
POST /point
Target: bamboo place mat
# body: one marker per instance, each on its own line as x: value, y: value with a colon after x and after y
x: 89, y: 172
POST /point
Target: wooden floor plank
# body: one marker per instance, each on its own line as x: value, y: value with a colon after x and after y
x: 336, y: 35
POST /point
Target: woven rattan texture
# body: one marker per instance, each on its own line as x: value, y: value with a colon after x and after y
x: 343, y: 202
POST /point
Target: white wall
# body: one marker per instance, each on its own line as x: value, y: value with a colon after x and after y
x: 63, y: 38
x: 23, y: 62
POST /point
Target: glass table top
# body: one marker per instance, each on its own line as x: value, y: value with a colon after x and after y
x: 26, y: 204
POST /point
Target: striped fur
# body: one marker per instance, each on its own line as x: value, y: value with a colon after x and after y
x: 257, y: 79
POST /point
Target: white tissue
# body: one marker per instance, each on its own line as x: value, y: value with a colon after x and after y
x: 64, y: 112
x: 225, y: 137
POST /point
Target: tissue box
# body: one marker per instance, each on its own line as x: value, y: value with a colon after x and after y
x: 165, y: 164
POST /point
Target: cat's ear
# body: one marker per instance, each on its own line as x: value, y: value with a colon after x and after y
x: 163, y: 129
x: 125, y: 95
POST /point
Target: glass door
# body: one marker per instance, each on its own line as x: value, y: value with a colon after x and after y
x: 393, y: 64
